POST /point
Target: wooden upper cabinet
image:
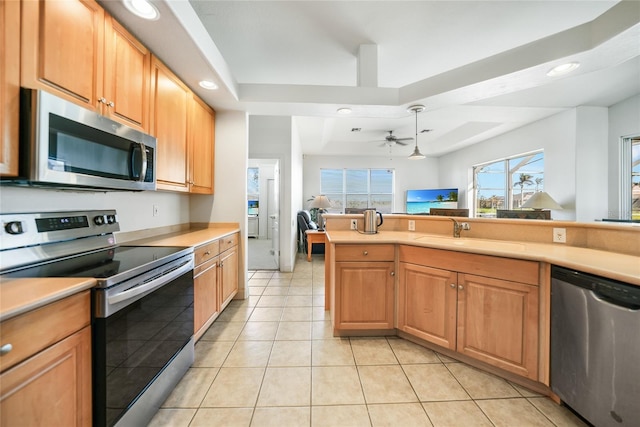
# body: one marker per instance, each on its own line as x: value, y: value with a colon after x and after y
x: 127, y: 74
x: 202, y: 143
x: 9, y: 86
x: 75, y: 50
x: 62, y: 48
x: 169, y: 110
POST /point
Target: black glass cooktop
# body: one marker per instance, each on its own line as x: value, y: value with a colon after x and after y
x: 101, y: 264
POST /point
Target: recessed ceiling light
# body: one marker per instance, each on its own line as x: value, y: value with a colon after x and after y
x: 344, y: 110
x: 208, y: 84
x: 563, y: 69
x: 142, y: 8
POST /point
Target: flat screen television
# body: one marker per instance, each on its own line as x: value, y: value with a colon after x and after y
x: 421, y: 201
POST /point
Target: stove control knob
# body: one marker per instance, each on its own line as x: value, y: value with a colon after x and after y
x: 99, y: 220
x: 111, y: 219
x: 14, y: 227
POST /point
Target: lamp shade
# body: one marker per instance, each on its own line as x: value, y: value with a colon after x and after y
x: 541, y: 200
x: 320, y: 202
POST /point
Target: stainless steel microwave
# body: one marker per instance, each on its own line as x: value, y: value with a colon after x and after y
x: 65, y: 145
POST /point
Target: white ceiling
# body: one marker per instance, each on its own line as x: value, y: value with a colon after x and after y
x: 478, y: 66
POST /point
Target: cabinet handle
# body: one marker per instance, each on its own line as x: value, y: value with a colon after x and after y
x: 461, y: 287
x: 393, y: 273
x: 453, y: 285
x: 207, y: 253
x: 102, y: 100
x: 111, y: 104
x: 365, y: 253
x: 5, y: 349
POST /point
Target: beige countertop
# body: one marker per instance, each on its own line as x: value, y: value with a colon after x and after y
x: 613, y: 265
x: 18, y: 296
x: 193, y: 237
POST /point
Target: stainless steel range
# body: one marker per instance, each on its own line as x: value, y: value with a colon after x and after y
x: 142, y: 319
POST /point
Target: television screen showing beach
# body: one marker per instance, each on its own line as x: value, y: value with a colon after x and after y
x: 420, y: 201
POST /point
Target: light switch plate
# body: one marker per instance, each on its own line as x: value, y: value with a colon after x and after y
x: 354, y: 224
x: 412, y: 225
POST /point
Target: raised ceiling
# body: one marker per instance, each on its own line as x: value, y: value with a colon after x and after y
x: 479, y: 67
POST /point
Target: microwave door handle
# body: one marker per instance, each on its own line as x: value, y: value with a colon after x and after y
x: 143, y: 161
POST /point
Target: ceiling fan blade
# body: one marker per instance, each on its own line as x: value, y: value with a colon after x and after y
x: 404, y: 139
x: 401, y: 143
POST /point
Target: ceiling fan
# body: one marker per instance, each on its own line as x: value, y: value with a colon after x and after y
x: 391, y: 139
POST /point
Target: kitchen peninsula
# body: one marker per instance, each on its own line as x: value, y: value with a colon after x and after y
x: 480, y: 298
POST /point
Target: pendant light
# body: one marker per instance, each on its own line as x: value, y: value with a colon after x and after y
x: 417, y: 155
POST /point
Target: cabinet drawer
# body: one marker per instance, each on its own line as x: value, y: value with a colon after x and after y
x: 206, y: 252
x: 228, y: 242
x: 515, y: 270
x: 365, y: 252
x: 36, y: 330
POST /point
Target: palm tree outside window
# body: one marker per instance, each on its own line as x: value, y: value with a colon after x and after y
x: 507, y: 183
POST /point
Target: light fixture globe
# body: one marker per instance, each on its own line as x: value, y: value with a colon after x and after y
x: 416, y: 155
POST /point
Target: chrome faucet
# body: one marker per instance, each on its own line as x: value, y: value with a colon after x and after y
x: 459, y: 226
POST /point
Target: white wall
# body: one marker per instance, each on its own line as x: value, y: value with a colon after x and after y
x: 555, y: 134
x: 135, y: 209
x: 624, y: 121
x: 591, y: 160
x: 270, y: 138
x: 409, y: 174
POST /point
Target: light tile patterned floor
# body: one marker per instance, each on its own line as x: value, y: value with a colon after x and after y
x: 271, y: 360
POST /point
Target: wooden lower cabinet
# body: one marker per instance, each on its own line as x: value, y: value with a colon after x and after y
x: 428, y: 303
x: 205, y: 295
x: 489, y: 319
x: 228, y: 284
x: 364, y: 295
x: 215, y: 280
x: 46, y: 376
x: 498, y: 323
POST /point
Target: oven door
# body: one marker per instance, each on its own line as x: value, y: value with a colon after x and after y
x: 141, y: 351
x: 72, y: 146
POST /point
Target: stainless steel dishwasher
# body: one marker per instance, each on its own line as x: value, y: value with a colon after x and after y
x: 595, y: 347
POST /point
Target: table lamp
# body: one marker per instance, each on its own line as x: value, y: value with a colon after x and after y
x: 320, y: 202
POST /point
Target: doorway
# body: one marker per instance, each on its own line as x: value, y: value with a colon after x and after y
x: 263, y: 202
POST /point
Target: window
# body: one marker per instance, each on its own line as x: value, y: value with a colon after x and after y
x: 507, y: 183
x: 630, y: 182
x: 635, y: 179
x: 358, y: 188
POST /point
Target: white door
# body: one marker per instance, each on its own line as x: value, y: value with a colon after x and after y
x: 273, y: 203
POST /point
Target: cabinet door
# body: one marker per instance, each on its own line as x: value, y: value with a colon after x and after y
x: 169, y: 103
x: 52, y: 388
x: 228, y: 276
x: 62, y: 48
x: 427, y: 299
x: 201, y: 141
x: 498, y: 323
x: 127, y: 75
x: 9, y: 86
x: 364, y: 295
x: 205, y: 294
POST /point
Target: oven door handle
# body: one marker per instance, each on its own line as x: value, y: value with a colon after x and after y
x: 152, y: 284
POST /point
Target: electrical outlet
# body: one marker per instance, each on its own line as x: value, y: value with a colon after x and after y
x: 155, y: 210
x: 354, y: 224
x: 412, y: 225
x: 560, y: 235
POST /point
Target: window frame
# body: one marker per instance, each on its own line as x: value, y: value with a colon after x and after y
x: 509, y: 171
